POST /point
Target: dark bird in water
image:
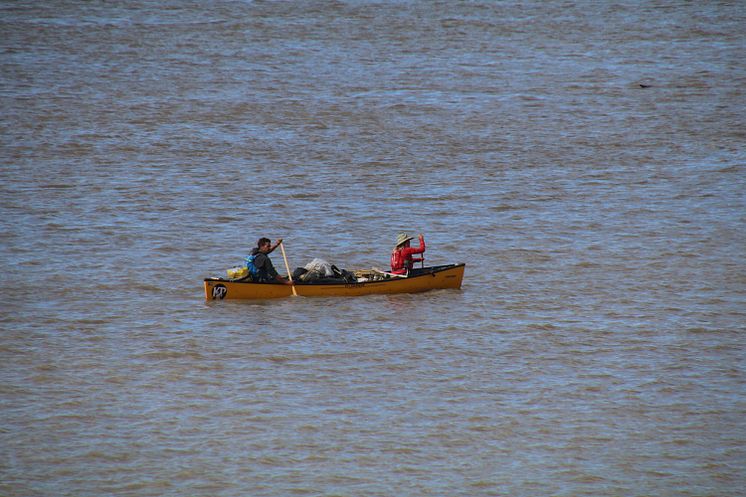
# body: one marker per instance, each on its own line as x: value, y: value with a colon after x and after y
x: 644, y: 86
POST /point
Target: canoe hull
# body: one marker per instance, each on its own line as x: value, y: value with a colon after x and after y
x: 437, y: 277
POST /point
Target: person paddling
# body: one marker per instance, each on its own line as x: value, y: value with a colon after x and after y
x: 265, y: 270
x: 401, y: 257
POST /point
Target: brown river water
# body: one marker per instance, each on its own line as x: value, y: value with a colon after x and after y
x: 587, y: 161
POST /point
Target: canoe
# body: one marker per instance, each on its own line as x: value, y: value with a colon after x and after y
x: 419, y: 280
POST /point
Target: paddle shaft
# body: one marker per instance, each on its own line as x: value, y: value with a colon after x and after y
x: 287, y: 266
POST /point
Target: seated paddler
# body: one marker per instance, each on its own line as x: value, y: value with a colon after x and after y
x: 402, y: 260
x: 260, y: 265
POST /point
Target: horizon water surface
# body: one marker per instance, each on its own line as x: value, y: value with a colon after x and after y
x: 585, y: 160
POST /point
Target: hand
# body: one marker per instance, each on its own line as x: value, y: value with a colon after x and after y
x: 278, y: 242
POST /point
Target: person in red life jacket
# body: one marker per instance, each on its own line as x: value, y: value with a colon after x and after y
x: 401, y: 257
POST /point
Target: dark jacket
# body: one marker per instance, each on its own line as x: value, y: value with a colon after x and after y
x: 264, y: 265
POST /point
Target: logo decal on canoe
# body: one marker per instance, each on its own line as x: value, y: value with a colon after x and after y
x: 219, y: 292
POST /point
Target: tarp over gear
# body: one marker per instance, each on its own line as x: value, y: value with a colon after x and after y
x: 321, y: 271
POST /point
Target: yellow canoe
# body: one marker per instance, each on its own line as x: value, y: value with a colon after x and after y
x: 419, y: 280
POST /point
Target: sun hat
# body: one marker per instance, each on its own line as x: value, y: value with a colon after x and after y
x: 402, y: 238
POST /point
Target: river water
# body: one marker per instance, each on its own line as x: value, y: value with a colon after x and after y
x: 587, y: 161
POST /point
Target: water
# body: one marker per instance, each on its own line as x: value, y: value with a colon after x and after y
x: 586, y: 161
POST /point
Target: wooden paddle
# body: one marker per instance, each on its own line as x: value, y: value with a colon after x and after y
x: 287, y: 266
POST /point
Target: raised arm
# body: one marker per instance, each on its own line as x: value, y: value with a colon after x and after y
x: 421, y: 248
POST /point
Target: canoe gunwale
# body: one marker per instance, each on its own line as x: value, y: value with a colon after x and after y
x: 417, y: 273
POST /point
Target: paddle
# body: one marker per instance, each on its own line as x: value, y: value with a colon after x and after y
x: 287, y: 266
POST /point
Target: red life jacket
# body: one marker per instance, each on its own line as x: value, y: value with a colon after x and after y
x: 398, y: 260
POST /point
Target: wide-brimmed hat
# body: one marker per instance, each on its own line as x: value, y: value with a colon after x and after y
x: 402, y: 238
